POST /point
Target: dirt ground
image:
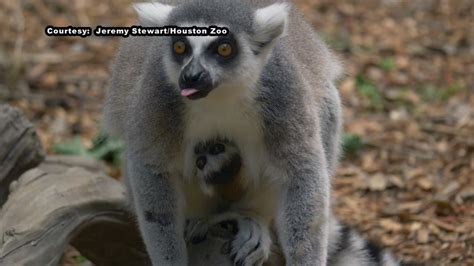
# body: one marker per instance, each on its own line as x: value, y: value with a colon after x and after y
x: 407, y: 178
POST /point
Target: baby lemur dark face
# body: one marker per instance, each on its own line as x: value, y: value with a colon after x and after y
x: 217, y: 161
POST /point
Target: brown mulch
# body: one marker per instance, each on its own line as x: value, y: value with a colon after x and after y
x: 408, y: 94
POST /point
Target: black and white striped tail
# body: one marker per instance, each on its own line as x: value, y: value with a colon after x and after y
x: 347, y: 247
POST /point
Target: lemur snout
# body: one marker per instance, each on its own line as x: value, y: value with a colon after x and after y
x: 201, y: 162
x: 195, y: 81
x: 191, y: 78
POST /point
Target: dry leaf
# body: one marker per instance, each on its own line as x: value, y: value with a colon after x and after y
x: 425, y: 183
x: 391, y: 225
x: 377, y: 182
x: 422, y: 236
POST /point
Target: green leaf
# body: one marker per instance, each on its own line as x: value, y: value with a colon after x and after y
x: 107, y: 149
x: 432, y: 93
x: 79, y: 259
x: 370, y: 91
x: 73, y: 146
x: 104, y: 148
x: 351, y: 143
x: 387, y: 63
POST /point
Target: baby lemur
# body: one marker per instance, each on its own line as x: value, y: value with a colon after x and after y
x: 218, y: 164
x: 268, y: 86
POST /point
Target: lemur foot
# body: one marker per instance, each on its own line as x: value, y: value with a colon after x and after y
x: 251, y: 245
x: 251, y: 240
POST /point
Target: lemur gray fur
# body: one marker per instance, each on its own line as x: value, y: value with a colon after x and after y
x: 268, y: 86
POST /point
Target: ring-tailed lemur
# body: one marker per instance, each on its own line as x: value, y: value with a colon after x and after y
x: 273, y: 96
x: 218, y: 164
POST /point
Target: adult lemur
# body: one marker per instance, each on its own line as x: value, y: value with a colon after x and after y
x: 267, y: 86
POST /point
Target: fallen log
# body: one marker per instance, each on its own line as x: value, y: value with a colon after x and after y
x: 20, y: 148
x: 46, y: 211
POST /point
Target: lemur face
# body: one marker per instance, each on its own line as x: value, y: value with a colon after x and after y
x: 202, y: 62
x: 218, y: 162
x: 225, y: 66
x: 216, y: 65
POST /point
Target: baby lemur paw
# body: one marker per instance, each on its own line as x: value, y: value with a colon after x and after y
x: 195, y: 231
x: 217, y: 161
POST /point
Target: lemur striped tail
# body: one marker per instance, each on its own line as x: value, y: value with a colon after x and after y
x: 347, y: 247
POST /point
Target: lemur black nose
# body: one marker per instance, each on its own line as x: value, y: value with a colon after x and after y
x: 193, y: 77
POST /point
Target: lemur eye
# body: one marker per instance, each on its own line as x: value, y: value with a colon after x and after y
x: 217, y: 149
x: 224, y: 49
x: 179, y: 47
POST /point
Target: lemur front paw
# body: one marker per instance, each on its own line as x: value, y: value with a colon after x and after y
x: 250, y: 244
x: 217, y: 161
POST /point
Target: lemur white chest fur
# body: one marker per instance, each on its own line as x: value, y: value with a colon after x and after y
x: 235, y: 118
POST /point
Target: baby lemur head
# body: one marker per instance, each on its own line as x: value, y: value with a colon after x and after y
x: 217, y: 162
x: 217, y: 167
x: 223, y: 65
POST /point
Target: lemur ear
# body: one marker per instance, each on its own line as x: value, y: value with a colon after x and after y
x: 270, y: 23
x: 152, y: 13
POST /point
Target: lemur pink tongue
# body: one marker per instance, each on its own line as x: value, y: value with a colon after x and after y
x: 188, y: 92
